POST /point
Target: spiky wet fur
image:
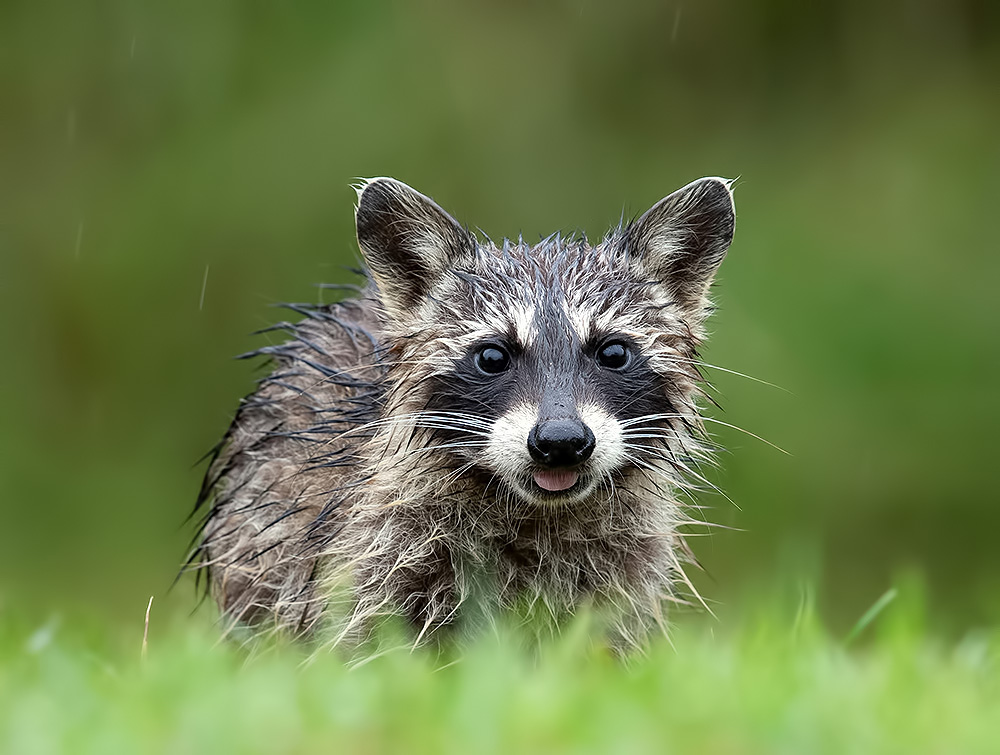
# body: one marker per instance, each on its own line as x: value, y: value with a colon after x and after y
x: 347, y: 490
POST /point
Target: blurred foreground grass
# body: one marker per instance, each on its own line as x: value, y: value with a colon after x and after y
x: 778, y: 683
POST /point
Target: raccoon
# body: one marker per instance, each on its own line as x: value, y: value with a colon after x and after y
x: 482, y: 427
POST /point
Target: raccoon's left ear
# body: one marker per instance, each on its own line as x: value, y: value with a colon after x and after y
x: 408, y: 242
x: 683, y: 238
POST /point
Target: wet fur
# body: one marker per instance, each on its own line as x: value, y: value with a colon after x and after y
x: 356, y: 482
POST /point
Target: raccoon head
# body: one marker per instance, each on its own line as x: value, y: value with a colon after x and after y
x: 551, y: 370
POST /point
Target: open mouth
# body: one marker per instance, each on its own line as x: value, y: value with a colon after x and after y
x: 556, y: 480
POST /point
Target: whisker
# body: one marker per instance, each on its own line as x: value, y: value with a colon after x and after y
x: 655, y: 417
x: 701, y: 363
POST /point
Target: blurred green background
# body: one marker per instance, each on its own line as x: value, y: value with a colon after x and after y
x: 168, y: 171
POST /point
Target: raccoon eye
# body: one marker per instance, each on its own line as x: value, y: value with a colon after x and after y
x: 492, y: 360
x: 613, y: 355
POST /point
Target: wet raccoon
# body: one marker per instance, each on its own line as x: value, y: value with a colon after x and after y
x: 500, y: 425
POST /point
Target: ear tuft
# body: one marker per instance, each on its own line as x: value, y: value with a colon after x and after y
x: 408, y: 241
x: 683, y: 238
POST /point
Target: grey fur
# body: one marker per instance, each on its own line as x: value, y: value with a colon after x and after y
x: 333, y: 500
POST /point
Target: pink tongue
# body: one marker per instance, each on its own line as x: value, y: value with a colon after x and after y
x: 555, y: 480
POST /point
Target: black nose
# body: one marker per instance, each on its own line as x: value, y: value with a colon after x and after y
x: 560, y: 442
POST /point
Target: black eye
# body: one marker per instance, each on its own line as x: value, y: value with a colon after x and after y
x: 613, y: 355
x: 492, y: 360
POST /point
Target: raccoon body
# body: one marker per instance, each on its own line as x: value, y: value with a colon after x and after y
x: 483, y: 427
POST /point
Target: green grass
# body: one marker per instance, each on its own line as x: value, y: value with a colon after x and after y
x: 777, y: 684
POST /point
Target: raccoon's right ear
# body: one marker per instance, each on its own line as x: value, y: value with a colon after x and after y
x: 407, y: 240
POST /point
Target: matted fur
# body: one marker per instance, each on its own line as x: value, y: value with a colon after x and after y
x: 350, y: 487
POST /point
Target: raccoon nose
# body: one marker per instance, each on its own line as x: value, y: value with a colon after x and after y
x: 560, y: 442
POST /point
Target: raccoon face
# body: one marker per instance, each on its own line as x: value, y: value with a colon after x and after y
x: 557, y: 435
x: 552, y: 370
